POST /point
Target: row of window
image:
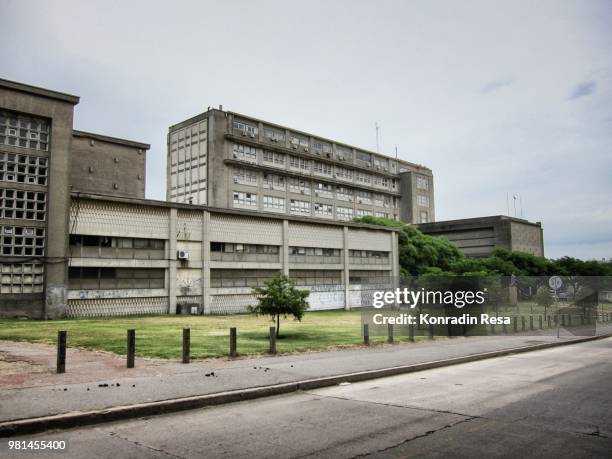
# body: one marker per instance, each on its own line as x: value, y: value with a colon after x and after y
x: 21, y: 278
x: 299, y: 207
x: 87, y: 278
x: 23, y: 168
x: 22, y: 241
x: 318, y: 147
x: 248, y: 153
x: 22, y: 131
x: 227, y: 247
x: 23, y: 205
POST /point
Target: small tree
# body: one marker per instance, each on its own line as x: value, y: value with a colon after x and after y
x: 278, y: 298
x: 544, y: 298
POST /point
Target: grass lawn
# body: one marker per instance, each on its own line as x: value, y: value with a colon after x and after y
x: 161, y: 336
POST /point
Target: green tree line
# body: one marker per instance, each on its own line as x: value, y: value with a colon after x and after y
x: 421, y: 254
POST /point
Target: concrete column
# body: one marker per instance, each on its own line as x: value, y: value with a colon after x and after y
x: 206, y: 262
x: 172, y: 262
x: 345, y: 269
x: 285, y: 248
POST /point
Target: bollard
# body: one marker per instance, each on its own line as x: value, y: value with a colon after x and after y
x: 465, y: 330
x: 540, y: 322
x: 563, y: 320
x: 431, y: 331
x: 515, y: 324
x: 61, y: 351
x: 272, y: 340
x: 548, y: 319
x: 504, y: 328
x: 522, y: 323
x: 530, y: 322
x: 492, y: 329
x: 366, y: 334
x: 131, y: 347
x: 390, y: 333
x: 232, y: 351
x: 186, y: 344
x: 569, y: 320
x: 556, y: 319
x: 411, y: 333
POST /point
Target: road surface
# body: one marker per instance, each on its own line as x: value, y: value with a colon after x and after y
x: 551, y: 403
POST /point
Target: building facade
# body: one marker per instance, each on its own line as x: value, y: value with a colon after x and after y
x: 228, y: 160
x: 78, y: 239
x: 479, y: 237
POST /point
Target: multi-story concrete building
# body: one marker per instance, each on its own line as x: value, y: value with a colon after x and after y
x: 77, y: 237
x: 232, y: 161
x: 479, y: 237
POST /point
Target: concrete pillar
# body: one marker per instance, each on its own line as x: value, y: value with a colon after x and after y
x: 172, y: 262
x: 285, y: 248
x: 206, y: 262
x: 345, y: 268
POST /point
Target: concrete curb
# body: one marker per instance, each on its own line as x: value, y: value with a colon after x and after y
x: 81, y: 418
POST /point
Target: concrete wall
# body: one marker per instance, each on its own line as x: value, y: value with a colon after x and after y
x: 58, y: 109
x: 105, y: 165
x: 479, y: 237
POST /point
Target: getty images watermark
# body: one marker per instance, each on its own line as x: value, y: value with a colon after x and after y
x: 459, y: 305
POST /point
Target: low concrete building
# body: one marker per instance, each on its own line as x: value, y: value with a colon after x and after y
x: 479, y: 237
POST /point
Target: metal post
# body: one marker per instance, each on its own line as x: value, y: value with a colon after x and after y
x: 504, y: 328
x: 233, y: 346
x: 131, y: 347
x: 390, y: 333
x: 492, y: 329
x: 272, y: 340
x: 366, y: 334
x: 548, y: 320
x: 530, y: 322
x: 522, y: 323
x: 540, y: 322
x: 61, y: 351
x: 569, y: 320
x: 515, y: 324
x: 411, y: 332
x: 431, y: 331
x: 186, y: 344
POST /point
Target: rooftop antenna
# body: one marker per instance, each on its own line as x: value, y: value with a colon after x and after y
x: 507, y: 204
x: 514, y: 197
x: 377, y: 129
x: 396, y: 151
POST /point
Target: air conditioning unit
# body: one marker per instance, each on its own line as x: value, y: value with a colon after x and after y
x: 235, y: 180
x: 244, y: 133
x: 252, y: 136
x: 301, y: 191
x: 182, y: 255
x: 295, y: 147
x: 328, y: 155
x: 305, y: 148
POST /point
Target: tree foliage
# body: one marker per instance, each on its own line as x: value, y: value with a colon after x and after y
x: 279, y: 297
x: 421, y: 254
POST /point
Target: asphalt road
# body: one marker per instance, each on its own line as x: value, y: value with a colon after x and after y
x: 552, y: 403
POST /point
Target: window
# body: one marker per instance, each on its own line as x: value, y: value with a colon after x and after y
x: 245, y: 199
x: 344, y: 194
x: 324, y: 190
x: 300, y: 186
x: 25, y: 132
x: 300, y: 207
x: 298, y: 141
x: 363, y: 156
x: 363, y: 197
x: 343, y: 173
x: 245, y: 176
x: 274, y: 203
x: 274, y: 135
x: 381, y: 214
x: 362, y: 212
x: 323, y: 210
x: 300, y: 164
x: 240, y: 277
x: 363, y: 178
x: 22, y: 241
x: 245, y: 153
x: 422, y: 183
x: 274, y: 182
x: 344, y: 154
x: 115, y: 278
x: 423, y: 200
x: 379, y: 199
x: 423, y: 217
x: 245, y: 129
x: 23, y: 205
x: 344, y: 213
x: 322, y: 168
x: 23, y: 169
x: 321, y: 148
x: 273, y: 158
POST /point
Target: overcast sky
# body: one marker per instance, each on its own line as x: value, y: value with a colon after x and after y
x: 498, y: 98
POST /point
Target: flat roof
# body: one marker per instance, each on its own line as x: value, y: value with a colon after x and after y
x: 475, y: 221
x: 28, y: 89
x: 219, y: 210
x: 105, y: 138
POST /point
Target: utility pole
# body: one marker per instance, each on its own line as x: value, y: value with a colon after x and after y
x: 377, y: 144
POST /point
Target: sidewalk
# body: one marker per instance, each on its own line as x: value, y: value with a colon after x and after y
x: 97, y: 380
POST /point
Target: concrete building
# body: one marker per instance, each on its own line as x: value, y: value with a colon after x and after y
x: 232, y: 161
x: 77, y: 237
x: 479, y: 237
